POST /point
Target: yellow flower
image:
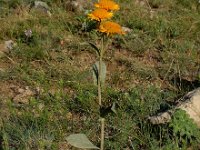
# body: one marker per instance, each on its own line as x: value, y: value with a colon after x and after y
x: 110, y: 28
x: 100, y: 14
x: 107, y: 4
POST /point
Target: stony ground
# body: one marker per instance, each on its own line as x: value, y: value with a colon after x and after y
x: 46, y: 84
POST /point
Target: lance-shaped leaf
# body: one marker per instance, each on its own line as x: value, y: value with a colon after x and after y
x: 113, y: 108
x: 80, y: 141
x: 95, y: 48
x: 95, y: 69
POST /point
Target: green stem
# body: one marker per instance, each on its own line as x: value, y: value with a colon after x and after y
x: 99, y: 71
x: 102, y: 133
x: 99, y: 94
x: 99, y: 81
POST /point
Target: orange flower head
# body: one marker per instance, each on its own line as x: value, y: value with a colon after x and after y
x: 107, y: 4
x: 110, y: 28
x: 100, y: 14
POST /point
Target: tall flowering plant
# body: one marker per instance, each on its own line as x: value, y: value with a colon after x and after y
x: 102, y: 14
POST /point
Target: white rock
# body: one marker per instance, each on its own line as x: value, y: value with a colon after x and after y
x: 23, y: 95
x: 28, y: 33
x: 9, y: 45
x: 161, y: 118
x: 6, y: 47
x: 126, y: 29
x: 190, y: 103
x: 43, y: 7
x: 78, y: 5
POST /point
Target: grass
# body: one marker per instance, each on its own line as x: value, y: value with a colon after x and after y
x: 147, y: 70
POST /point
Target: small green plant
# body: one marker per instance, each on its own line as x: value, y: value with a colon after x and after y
x: 184, y: 128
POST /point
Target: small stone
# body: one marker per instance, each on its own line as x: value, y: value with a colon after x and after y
x: 77, y: 5
x: 9, y: 45
x: 20, y: 90
x: 28, y: 33
x: 23, y: 96
x: 126, y: 29
x: 140, y: 2
x: 190, y: 103
x: 6, y: 47
x: 42, y: 6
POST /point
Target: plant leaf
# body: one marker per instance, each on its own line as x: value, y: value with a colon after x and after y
x: 95, y: 69
x: 80, y: 141
x: 113, y: 108
x: 95, y: 47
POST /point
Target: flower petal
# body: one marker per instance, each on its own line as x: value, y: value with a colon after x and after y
x: 107, y: 4
x: 100, y: 14
x: 110, y: 28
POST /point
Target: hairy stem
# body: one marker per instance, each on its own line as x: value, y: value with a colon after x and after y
x: 99, y: 81
x: 102, y: 120
x: 102, y: 133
